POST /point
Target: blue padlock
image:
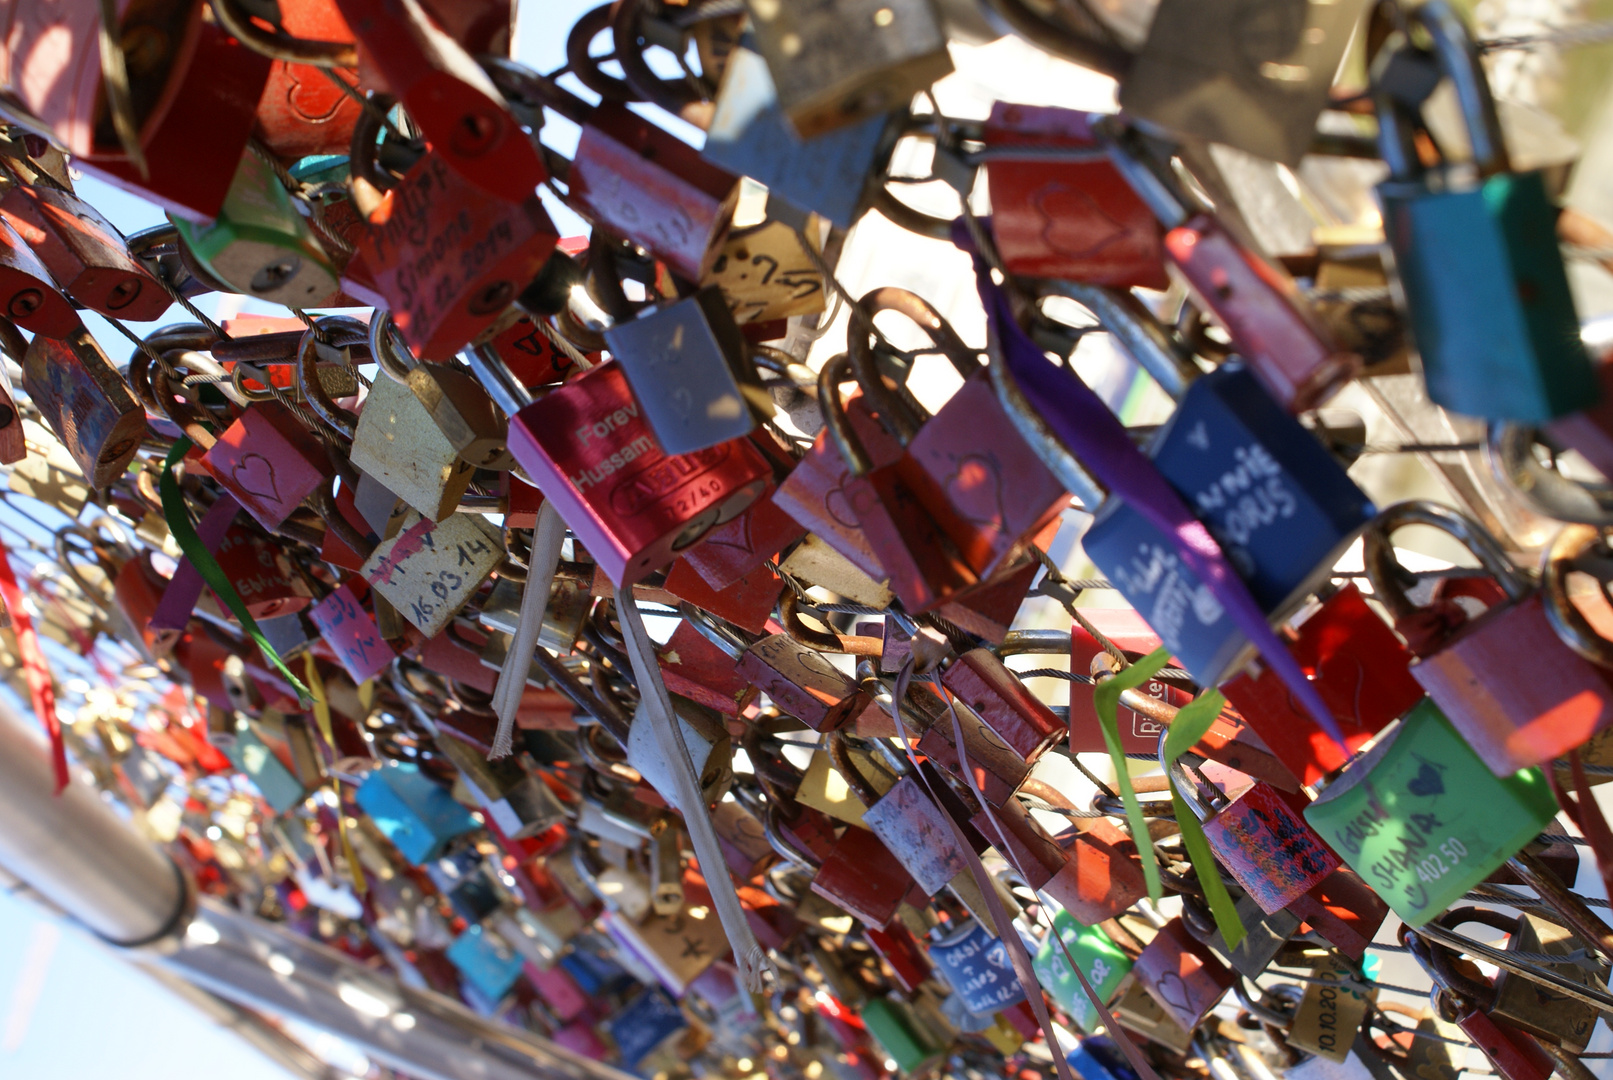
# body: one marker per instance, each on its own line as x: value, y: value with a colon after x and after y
x: 1096, y: 1057
x: 462, y: 877
x: 648, y: 1021
x: 597, y: 974
x: 830, y: 175
x: 1281, y: 507
x: 486, y: 962
x: 976, y: 965
x: 1478, y: 259
x: 416, y: 814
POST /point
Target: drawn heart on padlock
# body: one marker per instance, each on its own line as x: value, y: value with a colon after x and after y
x: 1428, y: 782
x: 311, y: 96
x: 254, y: 474
x: 1172, y: 991
x: 837, y: 504
x: 1074, y: 224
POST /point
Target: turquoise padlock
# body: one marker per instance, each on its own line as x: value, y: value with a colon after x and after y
x: 1423, y: 820
x: 1477, y: 256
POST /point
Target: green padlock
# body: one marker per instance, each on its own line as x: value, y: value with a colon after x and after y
x: 277, y: 784
x: 1423, y: 820
x: 260, y: 246
x: 898, y: 1034
x: 1099, y: 958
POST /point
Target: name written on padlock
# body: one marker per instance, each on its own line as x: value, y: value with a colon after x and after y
x: 430, y: 569
x: 349, y: 630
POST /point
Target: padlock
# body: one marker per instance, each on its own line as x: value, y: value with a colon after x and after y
x: 802, y: 682
x: 830, y: 174
x: 302, y: 112
x: 85, y: 402
x: 1003, y: 703
x: 624, y: 889
x: 835, y: 62
x: 1458, y: 994
x: 1421, y: 818
x: 517, y: 801
x: 84, y: 253
x: 861, y: 876
x: 1344, y: 911
x: 636, y: 181
x: 644, y: 1025
x: 442, y: 88
x: 974, y: 963
x: 430, y: 570
x: 1076, y: 219
x: 1139, y: 1013
x: 1101, y: 961
x: 1328, y: 1018
x: 687, y: 367
x: 677, y: 948
x: 696, y: 669
x: 486, y: 961
x: 730, y: 558
x: 30, y: 295
x: 588, y: 448
x: 1257, y: 303
x: 1511, y: 722
x: 899, y: 1034
x: 351, y: 633
x: 1356, y: 663
x: 997, y: 770
x: 260, y: 572
x: 463, y: 879
x: 397, y: 442
x: 1536, y: 1008
x: 414, y: 812
x: 1094, y: 877
x: 1492, y: 318
x: 1266, y: 847
x: 268, y: 462
x: 711, y: 749
x: 259, y: 245
x: 1182, y: 975
x: 448, y: 259
x: 1253, y: 76
x: 907, y: 821
x: 252, y: 756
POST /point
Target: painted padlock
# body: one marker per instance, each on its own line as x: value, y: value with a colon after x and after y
x: 1421, y: 818
x: 1261, y: 841
x: 86, y: 403
x: 1511, y: 717
x: 447, y: 258
x: 632, y: 505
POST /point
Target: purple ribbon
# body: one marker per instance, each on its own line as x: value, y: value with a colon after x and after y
x: 1095, y: 436
x: 185, y: 587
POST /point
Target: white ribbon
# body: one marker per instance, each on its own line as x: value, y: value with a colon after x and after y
x: 545, y: 558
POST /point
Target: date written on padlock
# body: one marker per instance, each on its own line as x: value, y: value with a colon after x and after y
x: 430, y: 569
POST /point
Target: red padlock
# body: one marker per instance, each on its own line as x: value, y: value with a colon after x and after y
x: 260, y: 573
x: 268, y: 461
x: 443, y: 89
x: 587, y: 446
x: 28, y: 296
x: 218, y: 91
x: 303, y: 113
x: 1359, y: 667
x: 641, y: 183
x: 1182, y: 975
x: 447, y: 259
x: 1076, y: 219
x: 84, y: 253
x: 863, y: 877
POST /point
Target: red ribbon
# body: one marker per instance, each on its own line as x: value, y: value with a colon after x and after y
x: 34, y: 667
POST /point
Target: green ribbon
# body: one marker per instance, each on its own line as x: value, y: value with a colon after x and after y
x: 1106, y: 700
x: 1192, y: 721
x: 184, y: 533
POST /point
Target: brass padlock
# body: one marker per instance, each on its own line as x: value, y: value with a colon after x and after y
x: 397, y: 442
x: 430, y: 570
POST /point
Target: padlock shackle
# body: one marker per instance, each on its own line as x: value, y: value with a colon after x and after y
x: 835, y: 421
x: 279, y: 45
x: 840, y: 756
x: 1510, y: 452
x: 388, y: 349
x: 899, y: 411
x: 340, y: 420
x: 675, y: 95
x: 1458, y: 57
x: 1185, y: 785
x: 516, y: 80
x: 497, y: 378
x: 1378, y: 553
x: 1556, y: 562
x: 1042, y: 440
x: 1135, y: 328
x: 789, y: 614
x: 1138, y: 158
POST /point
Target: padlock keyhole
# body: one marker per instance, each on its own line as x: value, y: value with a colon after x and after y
x: 475, y: 133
